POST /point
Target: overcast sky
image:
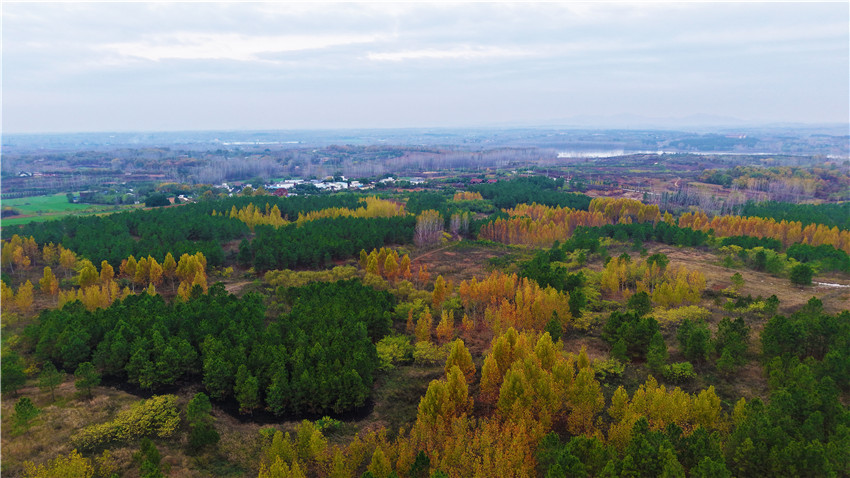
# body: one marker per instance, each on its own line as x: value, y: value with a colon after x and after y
x: 189, y: 66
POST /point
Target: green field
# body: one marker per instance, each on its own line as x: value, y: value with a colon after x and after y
x: 43, y: 208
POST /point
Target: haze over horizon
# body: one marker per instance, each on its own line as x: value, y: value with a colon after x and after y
x: 188, y: 66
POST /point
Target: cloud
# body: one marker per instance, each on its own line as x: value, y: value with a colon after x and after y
x: 227, y: 46
x: 465, y: 52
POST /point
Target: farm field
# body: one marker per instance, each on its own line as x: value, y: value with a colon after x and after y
x: 56, y: 206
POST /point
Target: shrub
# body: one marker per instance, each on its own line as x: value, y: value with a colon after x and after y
x: 677, y: 315
x: 679, y: 372
x: 426, y: 353
x: 608, y: 368
x: 394, y: 349
x: 157, y: 416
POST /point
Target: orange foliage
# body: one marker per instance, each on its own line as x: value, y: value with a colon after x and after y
x: 666, y: 286
x: 539, y: 225
x: 466, y: 196
x: 505, y: 301
x: 787, y: 232
x: 662, y: 407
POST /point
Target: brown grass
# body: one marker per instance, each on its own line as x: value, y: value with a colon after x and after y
x: 463, y: 261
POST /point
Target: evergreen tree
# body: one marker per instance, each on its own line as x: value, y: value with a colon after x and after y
x: 656, y: 355
x: 801, y: 274
x: 87, y: 378
x: 12, y: 376
x: 199, y: 415
x: 49, y: 379
x: 246, y: 390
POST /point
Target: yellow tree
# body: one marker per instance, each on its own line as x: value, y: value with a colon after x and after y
x: 24, y: 298
x: 73, y: 465
x: 439, y: 294
x: 128, y: 269
x: 423, y: 327
x: 67, y: 259
x: 372, y: 264
x: 154, y: 271
x: 7, y: 295
x: 491, y: 381
x: 88, y: 273
x: 169, y: 266
x: 49, y: 284
x: 391, y: 267
x: 460, y: 357
x: 142, y: 271
x: 446, y: 327
x: 49, y: 254
x: 21, y: 260
x: 404, y: 267
x: 200, y: 280
x: 107, y: 273
x: 586, y: 398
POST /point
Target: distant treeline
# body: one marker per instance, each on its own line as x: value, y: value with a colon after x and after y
x: 186, y: 229
x: 827, y: 214
x: 317, y: 243
x: 588, y: 237
x: 537, y: 189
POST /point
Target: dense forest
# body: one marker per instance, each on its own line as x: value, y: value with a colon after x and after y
x: 512, y: 328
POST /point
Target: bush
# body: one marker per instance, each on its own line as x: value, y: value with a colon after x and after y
x: 679, y: 372
x: 679, y: 314
x: 394, y: 349
x: 426, y: 353
x: 608, y: 368
x: 157, y: 416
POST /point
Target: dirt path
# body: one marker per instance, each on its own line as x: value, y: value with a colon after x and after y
x: 236, y: 287
x: 412, y: 259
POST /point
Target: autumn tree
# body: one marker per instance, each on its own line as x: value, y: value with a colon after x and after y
x: 107, y: 273
x: 24, y: 297
x: 446, y: 326
x: 439, y: 294
x: 7, y: 295
x: 460, y: 357
x: 48, y: 284
x: 169, y: 266
x: 391, y: 267
x: 423, y: 326
x: 128, y: 270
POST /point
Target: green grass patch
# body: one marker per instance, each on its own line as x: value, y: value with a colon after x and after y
x: 44, y: 208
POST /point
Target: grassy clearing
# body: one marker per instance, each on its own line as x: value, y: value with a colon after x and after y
x: 44, y: 208
x: 397, y: 393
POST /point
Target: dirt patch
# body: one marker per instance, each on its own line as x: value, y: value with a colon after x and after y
x: 596, y: 348
x: 462, y: 261
x: 236, y: 287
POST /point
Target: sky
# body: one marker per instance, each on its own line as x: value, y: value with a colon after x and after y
x: 77, y: 67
